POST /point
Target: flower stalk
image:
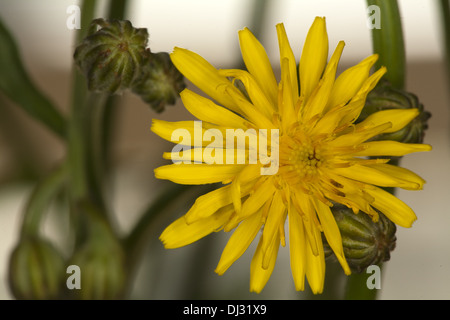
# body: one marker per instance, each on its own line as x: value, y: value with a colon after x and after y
x: 388, y: 42
x: 389, y: 45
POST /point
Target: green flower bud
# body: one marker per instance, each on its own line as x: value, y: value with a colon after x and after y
x: 365, y: 242
x: 160, y: 82
x: 385, y: 97
x: 36, y: 270
x: 98, y: 255
x: 111, y: 57
x: 102, y: 267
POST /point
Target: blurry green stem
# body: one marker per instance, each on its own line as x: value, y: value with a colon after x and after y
x: 136, y: 240
x: 42, y: 195
x: 388, y: 42
x: 77, y: 127
x: 164, y: 205
x: 118, y: 9
x: 445, y: 11
x: 17, y: 85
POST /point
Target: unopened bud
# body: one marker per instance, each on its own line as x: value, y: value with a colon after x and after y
x: 365, y: 242
x: 160, y: 83
x: 36, y: 270
x: 102, y: 271
x: 112, y: 55
x: 385, y: 97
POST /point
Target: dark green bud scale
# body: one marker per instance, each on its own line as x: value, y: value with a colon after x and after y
x: 365, y: 242
x: 112, y: 55
x: 385, y: 97
x: 160, y: 83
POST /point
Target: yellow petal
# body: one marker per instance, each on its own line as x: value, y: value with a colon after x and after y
x: 394, y: 209
x: 286, y: 103
x: 390, y: 148
x: 197, y: 173
x: 314, y: 57
x: 256, y: 94
x: 206, y: 110
x: 331, y: 232
x: 398, y: 117
x: 187, y: 131
x: 297, y: 249
x: 276, y: 217
x: 208, y: 204
x: 287, y: 53
x: 370, y: 175
x: 259, y: 275
x: 239, y: 241
x: 357, y: 137
x: 404, y: 175
x: 179, y: 233
x: 360, y: 97
x: 258, y: 63
x: 251, y: 113
x: 315, y: 266
x: 203, y: 75
x: 350, y: 82
x: 263, y: 192
x: 319, y: 97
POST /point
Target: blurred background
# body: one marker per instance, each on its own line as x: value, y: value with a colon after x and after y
x: 420, y: 265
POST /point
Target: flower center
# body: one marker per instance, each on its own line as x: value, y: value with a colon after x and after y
x: 300, y: 159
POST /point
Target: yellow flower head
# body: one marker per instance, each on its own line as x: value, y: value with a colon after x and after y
x: 322, y: 155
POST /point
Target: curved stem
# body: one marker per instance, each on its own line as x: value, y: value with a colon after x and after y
x: 165, y: 204
x: 40, y: 199
x: 18, y: 86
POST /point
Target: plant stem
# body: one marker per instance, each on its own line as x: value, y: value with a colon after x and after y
x: 445, y: 11
x: 388, y: 42
x: 40, y: 198
x: 17, y: 85
x: 357, y: 287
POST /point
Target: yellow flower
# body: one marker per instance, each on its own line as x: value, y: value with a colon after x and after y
x: 323, y: 155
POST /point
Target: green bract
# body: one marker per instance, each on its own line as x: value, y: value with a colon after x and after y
x: 111, y: 57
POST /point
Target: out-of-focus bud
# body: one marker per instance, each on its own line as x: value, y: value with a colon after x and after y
x: 385, y: 97
x: 112, y: 55
x: 99, y: 257
x: 365, y: 242
x: 36, y: 270
x: 160, y: 82
x: 102, y: 269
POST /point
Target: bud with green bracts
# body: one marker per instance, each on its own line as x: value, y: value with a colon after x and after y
x: 365, y: 242
x: 102, y: 270
x: 36, y: 270
x: 385, y: 97
x: 111, y: 57
x: 100, y: 258
x: 160, y: 83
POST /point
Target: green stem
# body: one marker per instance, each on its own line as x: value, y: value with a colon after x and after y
x: 388, y: 42
x: 77, y: 126
x: 164, y: 205
x: 118, y: 9
x: 16, y: 84
x: 357, y: 287
x: 139, y: 234
x: 40, y: 199
x: 445, y: 11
